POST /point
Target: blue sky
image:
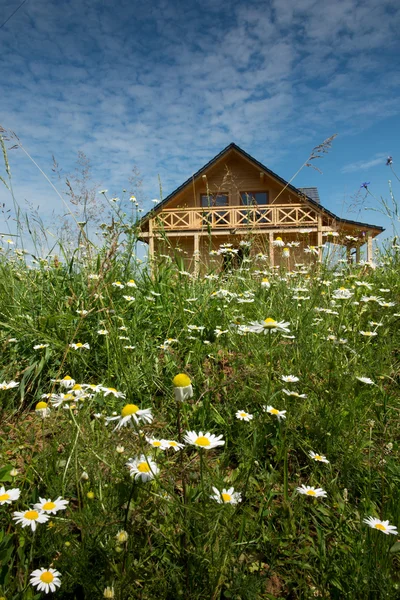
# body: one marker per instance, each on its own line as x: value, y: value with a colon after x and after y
x: 166, y: 85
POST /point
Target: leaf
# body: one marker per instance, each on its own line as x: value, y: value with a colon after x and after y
x: 5, y: 474
x: 395, y: 548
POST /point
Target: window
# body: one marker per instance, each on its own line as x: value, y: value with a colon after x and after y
x: 213, y: 200
x: 255, y: 199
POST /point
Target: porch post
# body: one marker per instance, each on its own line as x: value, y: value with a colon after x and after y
x: 319, y: 238
x: 151, y: 246
x: 196, y: 253
x: 271, y: 249
x: 369, y: 247
x: 348, y: 254
x: 358, y: 254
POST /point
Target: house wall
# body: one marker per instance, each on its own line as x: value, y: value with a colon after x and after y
x: 233, y: 174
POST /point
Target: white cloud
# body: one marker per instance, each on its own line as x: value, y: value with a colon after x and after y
x: 364, y: 165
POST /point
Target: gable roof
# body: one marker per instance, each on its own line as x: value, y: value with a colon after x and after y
x: 311, y: 193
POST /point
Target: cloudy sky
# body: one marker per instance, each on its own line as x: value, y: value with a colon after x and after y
x: 165, y: 85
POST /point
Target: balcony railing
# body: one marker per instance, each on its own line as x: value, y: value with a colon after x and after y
x: 235, y: 217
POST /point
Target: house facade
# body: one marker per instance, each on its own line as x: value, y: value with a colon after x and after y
x: 234, y: 203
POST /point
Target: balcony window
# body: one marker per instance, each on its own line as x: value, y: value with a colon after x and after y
x: 255, y: 199
x: 209, y: 200
x: 220, y: 218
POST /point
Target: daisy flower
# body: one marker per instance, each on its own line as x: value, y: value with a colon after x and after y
x: 342, y: 294
x: 129, y: 298
x: 118, y: 284
x: 365, y: 380
x: 286, y: 252
x: 108, y: 592
x: 45, y: 580
x: 29, y: 518
x: 280, y: 414
x: 295, y: 394
x: 368, y: 333
x: 226, y: 496
x: 102, y: 332
x: 122, y: 536
x: 131, y: 412
x: 155, y: 443
x: 51, y: 506
x: 318, y: 457
x: 66, y: 381
x: 381, y: 525
x: 308, y: 490
x: 109, y: 390
x: 8, y: 496
x: 268, y: 325
x: 40, y: 346
x: 278, y: 242
x: 172, y: 444
x: 79, y: 346
x: 142, y: 468
x: 131, y: 283
x: 243, y: 416
x: 265, y: 283
x: 9, y: 385
x: 182, y: 387
x: 206, y: 440
x: 290, y: 378
x: 42, y: 409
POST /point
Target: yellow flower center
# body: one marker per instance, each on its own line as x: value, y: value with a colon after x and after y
x: 173, y: 444
x: 68, y: 396
x: 47, y: 577
x: 112, y: 390
x: 118, y: 283
x: 77, y: 387
x: 265, y: 280
x: 67, y: 378
x: 31, y: 515
x: 181, y: 380
x: 274, y: 411
x: 41, y: 405
x: 156, y: 444
x: 79, y: 345
x: 311, y: 493
x: 226, y: 497
x: 317, y: 457
x: 4, y: 497
x: 279, y: 238
x: 131, y: 281
x: 49, y: 506
x: 243, y: 414
x: 380, y: 527
x: 202, y: 441
x: 129, y: 409
x: 269, y: 322
x: 143, y: 467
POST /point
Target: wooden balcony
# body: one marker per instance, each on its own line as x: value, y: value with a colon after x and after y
x: 235, y: 217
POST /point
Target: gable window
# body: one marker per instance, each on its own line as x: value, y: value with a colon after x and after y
x: 255, y: 199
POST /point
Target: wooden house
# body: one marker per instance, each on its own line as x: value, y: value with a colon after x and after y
x: 235, y: 202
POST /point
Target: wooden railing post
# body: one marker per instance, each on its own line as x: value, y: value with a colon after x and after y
x: 319, y: 237
x: 271, y: 249
x: 370, y: 254
x: 151, y: 247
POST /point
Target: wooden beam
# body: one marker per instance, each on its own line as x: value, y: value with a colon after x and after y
x: 358, y: 254
x: 196, y: 253
x: 271, y: 249
x: 319, y: 237
x: 370, y: 254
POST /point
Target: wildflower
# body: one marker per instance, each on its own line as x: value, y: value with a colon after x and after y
x: 30, y: 518
x: 308, y: 490
x: 265, y: 283
x: 366, y: 380
x: 295, y: 394
x: 342, y: 294
x: 280, y: 414
x: 286, y: 252
x: 365, y: 185
x: 40, y: 346
x: 66, y: 381
x: 129, y: 347
x: 318, y: 457
x: 243, y: 416
x: 118, y: 284
x: 9, y: 385
x: 80, y: 346
x: 42, y: 409
x: 14, y: 472
x: 8, y: 496
x: 182, y: 387
x: 120, y: 449
x: 131, y: 283
x: 206, y: 440
x: 122, y: 536
x: 269, y: 325
x: 278, y: 242
x: 103, y: 191
x: 226, y: 496
x: 290, y: 378
x: 129, y: 298
x: 90, y: 495
x: 172, y: 444
x: 108, y: 592
x: 381, y: 525
x: 82, y: 313
x: 389, y: 161
x: 84, y: 476
x: 311, y: 250
x: 45, y: 580
x: 102, y: 332
x: 109, y: 390
x: 155, y: 443
x: 142, y: 468
x: 368, y: 333
x: 50, y: 506
x: 131, y: 412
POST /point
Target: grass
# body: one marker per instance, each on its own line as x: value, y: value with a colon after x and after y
x: 275, y: 543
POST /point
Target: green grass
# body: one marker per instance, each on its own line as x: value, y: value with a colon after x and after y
x: 276, y: 543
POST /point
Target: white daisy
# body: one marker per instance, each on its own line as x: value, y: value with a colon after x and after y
x: 9, y: 385
x: 129, y: 298
x: 318, y: 457
x: 42, y: 409
x: 131, y: 412
x: 295, y: 394
x: 118, y: 284
x: 290, y: 378
x: 102, y: 332
x: 40, y: 346
x: 280, y: 414
x: 368, y: 333
x: 172, y: 444
x: 155, y: 443
x: 269, y: 325
x: 66, y: 381
x: 142, y: 468
x: 381, y: 525
x: 131, y: 283
x: 110, y: 390
x: 278, y: 242
x: 80, y: 346
x: 308, y: 490
x: 51, y: 506
x: 29, y: 518
x: 182, y: 387
x: 206, y: 440
x: 226, y: 496
x: 365, y: 380
x: 8, y: 496
x: 243, y: 416
x: 46, y: 580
